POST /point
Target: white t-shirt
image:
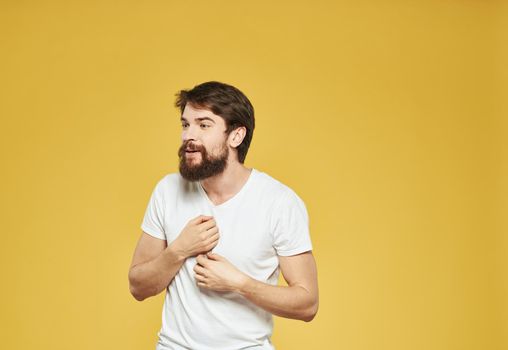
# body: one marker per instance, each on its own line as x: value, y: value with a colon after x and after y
x: 263, y: 220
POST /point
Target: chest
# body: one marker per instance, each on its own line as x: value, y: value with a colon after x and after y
x: 244, y: 229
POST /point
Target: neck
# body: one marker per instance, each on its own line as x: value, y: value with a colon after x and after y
x: 227, y: 183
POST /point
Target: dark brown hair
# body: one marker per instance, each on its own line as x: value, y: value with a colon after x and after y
x: 226, y: 101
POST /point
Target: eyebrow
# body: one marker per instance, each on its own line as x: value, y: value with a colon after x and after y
x: 198, y: 119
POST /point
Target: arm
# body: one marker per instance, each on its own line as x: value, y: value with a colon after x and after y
x: 299, y: 300
x: 154, y: 265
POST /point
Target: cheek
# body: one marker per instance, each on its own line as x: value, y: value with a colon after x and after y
x: 219, y: 149
x: 216, y: 145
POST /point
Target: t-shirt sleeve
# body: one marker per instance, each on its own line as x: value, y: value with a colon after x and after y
x: 291, y: 226
x: 153, y: 221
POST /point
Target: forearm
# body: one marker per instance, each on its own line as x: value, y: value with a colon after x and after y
x: 296, y: 302
x: 150, y: 278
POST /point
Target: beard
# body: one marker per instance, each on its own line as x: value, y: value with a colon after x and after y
x: 199, y: 169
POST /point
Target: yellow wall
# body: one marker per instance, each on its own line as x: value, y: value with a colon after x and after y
x: 388, y: 118
x: 500, y: 166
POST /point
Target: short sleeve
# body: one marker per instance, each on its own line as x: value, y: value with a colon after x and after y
x: 153, y: 221
x: 291, y: 225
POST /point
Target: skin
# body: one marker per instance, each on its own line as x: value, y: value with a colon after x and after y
x: 155, y: 263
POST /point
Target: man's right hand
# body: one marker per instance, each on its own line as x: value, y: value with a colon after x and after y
x: 199, y: 236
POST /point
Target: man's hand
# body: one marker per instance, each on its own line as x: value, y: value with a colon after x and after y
x: 216, y: 273
x: 200, y: 235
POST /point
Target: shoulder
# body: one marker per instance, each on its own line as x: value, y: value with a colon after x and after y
x: 168, y: 182
x: 268, y: 185
x: 279, y: 191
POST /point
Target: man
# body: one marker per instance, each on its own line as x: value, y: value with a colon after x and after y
x: 216, y: 234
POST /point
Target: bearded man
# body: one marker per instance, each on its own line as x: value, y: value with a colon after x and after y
x: 216, y: 234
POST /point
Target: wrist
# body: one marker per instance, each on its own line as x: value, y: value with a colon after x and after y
x: 175, y: 249
x: 245, y: 285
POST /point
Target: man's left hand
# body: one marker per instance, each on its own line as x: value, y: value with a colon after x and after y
x: 215, y: 272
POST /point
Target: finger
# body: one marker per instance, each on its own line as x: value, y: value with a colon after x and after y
x: 201, y: 260
x: 199, y: 270
x: 212, y: 237
x: 206, y: 225
x: 212, y: 245
x: 209, y: 233
x: 200, y: 278
x: 212, y: 231
x: 201, y: 284
x: 212, y: 241
x: 213, y: 256
x: 201, y: 218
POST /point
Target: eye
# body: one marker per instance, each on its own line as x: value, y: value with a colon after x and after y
x: 184, y: 125
x: 206, y: 125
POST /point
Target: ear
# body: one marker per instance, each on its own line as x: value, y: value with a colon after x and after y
x: 236, y: 136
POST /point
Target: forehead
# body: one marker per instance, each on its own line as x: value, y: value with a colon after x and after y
x: 190, y: 113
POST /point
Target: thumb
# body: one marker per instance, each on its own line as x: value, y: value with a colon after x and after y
x: 213, y: 256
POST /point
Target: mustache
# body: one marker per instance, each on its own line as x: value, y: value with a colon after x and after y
x: 192, y: 146
x: 189, y: 146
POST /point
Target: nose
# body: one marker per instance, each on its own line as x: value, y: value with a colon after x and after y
x: 188, y: 134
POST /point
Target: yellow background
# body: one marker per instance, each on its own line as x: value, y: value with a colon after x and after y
x: 388, y: 118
